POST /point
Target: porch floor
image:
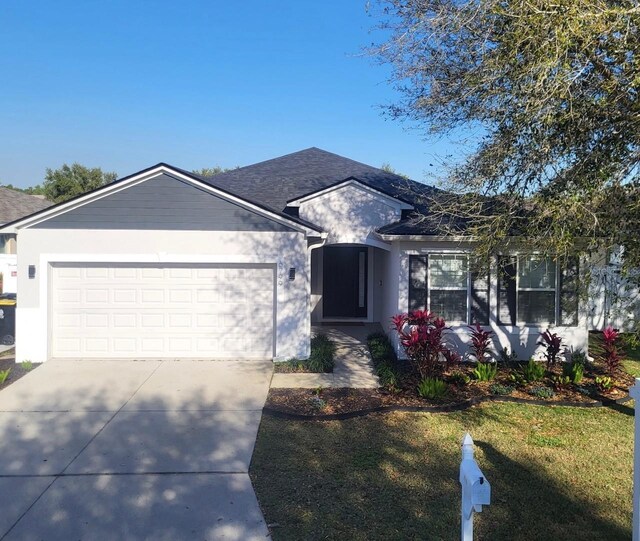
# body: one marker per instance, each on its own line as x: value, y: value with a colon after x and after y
x: 353, y: 367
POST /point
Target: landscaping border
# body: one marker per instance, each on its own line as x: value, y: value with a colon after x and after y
x: 448, y: 408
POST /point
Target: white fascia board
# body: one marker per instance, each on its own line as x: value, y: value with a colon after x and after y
x: 452, y: 238
x: 395, y: 202
x: 143, y: 177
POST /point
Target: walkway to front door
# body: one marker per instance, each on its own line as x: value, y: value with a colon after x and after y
x: 353, y: 367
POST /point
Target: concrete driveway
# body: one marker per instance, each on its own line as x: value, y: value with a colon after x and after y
x: 156, y: 450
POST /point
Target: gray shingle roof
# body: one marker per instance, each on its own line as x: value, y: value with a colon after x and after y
x: 274, y: 182
x: 15, y: 204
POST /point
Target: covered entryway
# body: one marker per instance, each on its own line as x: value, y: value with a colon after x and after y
x: 345, y: 281
x: 145, y: 311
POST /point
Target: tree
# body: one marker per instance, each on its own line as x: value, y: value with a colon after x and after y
x: 388, y: 168
x: 212, y: 171
x: 31, y: 190
x: 552, y: 88
x: 72, y: 180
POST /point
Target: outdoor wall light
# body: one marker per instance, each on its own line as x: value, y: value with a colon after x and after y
x: 32, y: 271
x: 292, y: 274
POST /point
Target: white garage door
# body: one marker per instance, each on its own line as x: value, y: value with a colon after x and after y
x: 108, y: 311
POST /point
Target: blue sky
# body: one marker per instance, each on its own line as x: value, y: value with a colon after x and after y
x: 125, y: 84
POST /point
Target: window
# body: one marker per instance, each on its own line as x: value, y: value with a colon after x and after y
x: 3, y: 243
x: 442, y: 284
x: 449, y: 287
x: 536, y: 290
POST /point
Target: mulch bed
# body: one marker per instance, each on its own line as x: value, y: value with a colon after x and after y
x: 343, y: 403
x: 17, y: 370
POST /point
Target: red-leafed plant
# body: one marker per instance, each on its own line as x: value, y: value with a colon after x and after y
x: 552, y: 344
x: 422, y: 338
x: 611, y: 356
x: 480, y: 343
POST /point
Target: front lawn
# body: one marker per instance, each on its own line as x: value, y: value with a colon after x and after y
x: 556, y: 473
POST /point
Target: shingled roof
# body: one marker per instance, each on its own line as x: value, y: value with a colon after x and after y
x: 15, y: 204
x: 274, y: 182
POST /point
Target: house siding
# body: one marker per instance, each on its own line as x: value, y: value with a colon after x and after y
x: 163, y: 202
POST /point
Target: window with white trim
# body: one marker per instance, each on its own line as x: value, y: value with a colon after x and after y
x: 444, y: 284
x: 536, y: 286
x: 449, y: 286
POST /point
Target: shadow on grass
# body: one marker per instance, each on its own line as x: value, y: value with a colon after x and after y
x: 396, y: 477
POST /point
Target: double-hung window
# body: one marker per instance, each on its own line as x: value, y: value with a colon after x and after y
x: 533, y: 290
x: 449, y: 286
x: 444, y: 285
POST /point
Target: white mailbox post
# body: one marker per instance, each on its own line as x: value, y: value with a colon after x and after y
x: 476, y: 490
x: 635, y: 394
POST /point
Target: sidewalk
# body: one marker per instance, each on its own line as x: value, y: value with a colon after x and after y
x: 353, y: 367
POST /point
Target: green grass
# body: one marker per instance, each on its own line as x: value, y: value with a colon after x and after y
x: 556, y: 473
x: 320, y: 360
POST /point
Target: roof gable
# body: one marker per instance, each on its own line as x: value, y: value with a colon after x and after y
x: 163, y: 202
x: 146, y: 175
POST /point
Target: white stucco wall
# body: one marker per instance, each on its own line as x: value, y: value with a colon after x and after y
x: 41, y: 247
x: 520, y: 339
x: 350, y: 213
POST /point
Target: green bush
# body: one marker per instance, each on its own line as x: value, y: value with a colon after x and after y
x: 485, y: 371
x: 604, y: 383
x: 26, y: 365
x: 542, y: 391
x: 573, y: 371
x: 533, y: 371
x: 432, y: 388
x: 384, y: 359
x: 561, y: 382
x: 4, y: 374
x: 500, y: 390
x: 459, y: 378
x: 322, y: 352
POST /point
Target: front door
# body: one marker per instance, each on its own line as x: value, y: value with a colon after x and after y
x: 344, y: 282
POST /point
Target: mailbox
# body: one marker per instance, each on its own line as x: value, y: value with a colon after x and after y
x: 476, y: 490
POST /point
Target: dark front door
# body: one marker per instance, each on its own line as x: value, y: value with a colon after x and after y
x: 344, y: 282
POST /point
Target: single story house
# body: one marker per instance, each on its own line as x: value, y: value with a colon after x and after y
x: 168, y: 264
x: 14, y: 205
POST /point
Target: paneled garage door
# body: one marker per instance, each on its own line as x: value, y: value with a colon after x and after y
x: 107, y: 311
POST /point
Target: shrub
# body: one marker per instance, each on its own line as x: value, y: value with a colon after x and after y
x: 432, y: 388
x: 380, y: 347
x: 388, y: 375
x: 459, y: 378
x: 560, y: 382
x: 322, y: 352
x: 611, y: 356
x: 552, y: 344
x: 507, y: 357
x: 485, y: 371
x: 579, y: 357
x: 573, y: 371
x: 604, y: 383
x: 4, y: 374
x: 500, y: 390
x: 422, y: 337
x: 532, y: 371
x: 480, y: 343
x: 541, y: 391
x: 26, y: 365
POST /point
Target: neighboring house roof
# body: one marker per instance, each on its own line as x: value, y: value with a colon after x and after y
x: 276, y: 182
x: 15, y: 204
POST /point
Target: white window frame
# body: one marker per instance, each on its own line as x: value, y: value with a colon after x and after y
x: 556, y: 289
x: 430, y: 256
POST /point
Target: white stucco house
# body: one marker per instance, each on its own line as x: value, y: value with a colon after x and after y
x: 167, y: 264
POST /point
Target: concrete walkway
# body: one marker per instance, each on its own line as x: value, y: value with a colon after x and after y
x: 154, y: 450
x: 353, y: 367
